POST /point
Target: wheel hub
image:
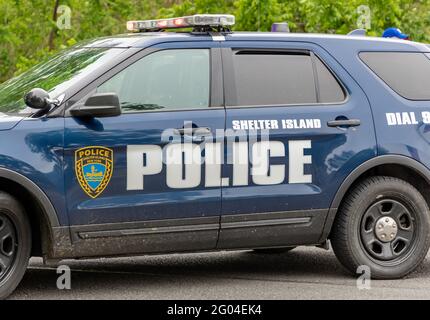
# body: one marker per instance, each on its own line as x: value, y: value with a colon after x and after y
x: 386, y: 229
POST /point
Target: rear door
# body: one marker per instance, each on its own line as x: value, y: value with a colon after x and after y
x: 300, y: 124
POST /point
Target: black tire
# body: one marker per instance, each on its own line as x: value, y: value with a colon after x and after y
x: 365, y: 220
x: 273, y: 250
x: 15, y: 244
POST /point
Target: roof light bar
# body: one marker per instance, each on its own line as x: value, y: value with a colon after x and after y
x: 198, y: 20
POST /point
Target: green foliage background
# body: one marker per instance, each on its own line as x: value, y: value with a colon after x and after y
x: 28, y: 32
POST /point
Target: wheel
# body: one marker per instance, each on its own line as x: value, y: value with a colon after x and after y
x: 273, y: 250
x: 384, y: 224
x: 15, y: 244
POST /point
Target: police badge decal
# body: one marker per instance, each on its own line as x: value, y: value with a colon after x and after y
x: 94, y: 168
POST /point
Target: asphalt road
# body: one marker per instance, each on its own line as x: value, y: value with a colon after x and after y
x: 304, y: 273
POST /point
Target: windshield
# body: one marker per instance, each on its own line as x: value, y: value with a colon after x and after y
x: 54, y: 76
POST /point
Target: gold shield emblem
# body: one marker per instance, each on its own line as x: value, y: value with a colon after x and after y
x: 94, y: 168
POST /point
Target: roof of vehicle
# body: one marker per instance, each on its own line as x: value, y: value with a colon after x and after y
x: 145, y: 39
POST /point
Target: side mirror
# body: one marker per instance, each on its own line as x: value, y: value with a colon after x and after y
x: 38, y: 99
x: 100, y: 105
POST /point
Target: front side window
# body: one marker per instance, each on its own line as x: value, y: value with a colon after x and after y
x: 407, y: 73
x: 283, y: 78
x: 164, y: 80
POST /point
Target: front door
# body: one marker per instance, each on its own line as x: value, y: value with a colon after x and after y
x: 132, y: 176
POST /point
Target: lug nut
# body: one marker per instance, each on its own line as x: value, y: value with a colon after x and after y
x: 387, y: 220
x: 383, y: 236
x: 380, y: 227
x: 392, y: 235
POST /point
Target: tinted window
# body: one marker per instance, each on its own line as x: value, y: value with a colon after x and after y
x: 406, y: 73
x: 169, y: 79
x: 280, y: 78
x: 270, y: 79
x: 329, y: 89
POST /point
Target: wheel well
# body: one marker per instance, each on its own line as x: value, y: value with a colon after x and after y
x: 38, y: 222
x: 404, y: 173
x: 397, y: 171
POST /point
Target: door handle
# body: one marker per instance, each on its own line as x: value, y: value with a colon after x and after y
x: 200, y: 131
x: 344, y: 123
x: 195, y: 134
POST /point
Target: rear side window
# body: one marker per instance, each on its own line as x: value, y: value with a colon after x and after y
x: 329, y: 89
x: 407, y: 73
x: 282, y: 78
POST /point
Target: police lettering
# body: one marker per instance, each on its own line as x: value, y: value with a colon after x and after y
x: 255, y: 124
x: 401, y: 118
x: 94, y: 152
x: 250, y: 163
x: 289, y: 124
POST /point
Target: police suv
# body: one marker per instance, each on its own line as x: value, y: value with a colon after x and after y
x: 166, y: 142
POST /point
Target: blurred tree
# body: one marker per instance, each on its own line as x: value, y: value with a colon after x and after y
x: 258, y: 14
x: 334, y: 16
x: 189, y: 7
x: 29, y: 33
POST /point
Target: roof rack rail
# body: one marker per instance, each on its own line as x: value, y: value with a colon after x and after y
x: 199, y: 23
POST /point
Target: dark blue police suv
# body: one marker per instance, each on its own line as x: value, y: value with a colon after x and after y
x: 166, y: 142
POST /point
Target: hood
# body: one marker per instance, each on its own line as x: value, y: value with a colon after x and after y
x: 8, y: 122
